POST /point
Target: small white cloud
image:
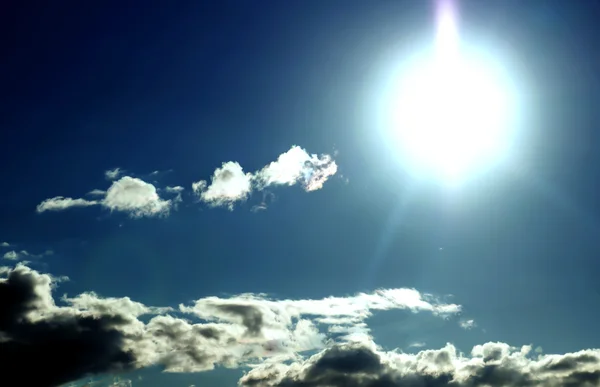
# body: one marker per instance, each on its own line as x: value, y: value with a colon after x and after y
x: 176, y: 189
x: 294, y: 166
x: 135, y: 196
x: 128, y: 194
x: 5, y: 244
x: 14, y: 255
x: 417, y: 345
x: 11, y: 255
x: 112, y: 174
x: 97, y: 192
x: 60, y: 203
x: 467, y: 324
x: 229, y: 184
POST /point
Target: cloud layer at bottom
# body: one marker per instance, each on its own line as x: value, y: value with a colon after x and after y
x: 271, y: 338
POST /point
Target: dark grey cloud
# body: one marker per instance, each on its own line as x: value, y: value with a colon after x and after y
x: 51, y: 350
x: 250, y: 315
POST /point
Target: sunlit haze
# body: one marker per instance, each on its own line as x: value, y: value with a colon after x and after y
x: 450, y: 113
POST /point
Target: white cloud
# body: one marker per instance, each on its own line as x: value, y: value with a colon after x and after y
x: 5, y: 244
x: 294, y: 166
x: 11, y: 255
x: 176, y: 189
x: 112, y: 174
x: 136, y: 197
x: 229, y: 184
x: 14, y: 255
x: 97, y: 192
x: 467, y: 324
x: 60, y: 203
x: 128, y: 194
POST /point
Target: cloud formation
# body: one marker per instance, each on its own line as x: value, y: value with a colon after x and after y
x: 273, y: 338
x: 14, y: 255
x: 136, y: 197
x: 230, y: 184
x: 128, y: 194
x: 363, y: 364
x: 297, y: 166
x: 103, y: 335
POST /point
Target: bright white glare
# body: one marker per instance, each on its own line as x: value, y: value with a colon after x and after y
x: 451, y: 111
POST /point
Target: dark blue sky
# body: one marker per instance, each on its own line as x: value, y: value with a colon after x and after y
x: 180, y: 87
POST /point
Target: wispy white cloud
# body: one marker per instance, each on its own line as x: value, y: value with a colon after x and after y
x: 60, y: 203
x: 16, y: 255
x: 176, y: 189
x: 230, y: 184
x: 113, y: 174
x: 5, y: 244
x: 97, y: 192
x: 11, y: 255
x: 467, y: 324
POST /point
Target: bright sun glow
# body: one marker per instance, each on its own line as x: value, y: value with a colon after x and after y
x: 451, y: 111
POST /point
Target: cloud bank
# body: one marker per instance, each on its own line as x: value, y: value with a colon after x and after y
x: 106, y: 335
x: 230, y: 184
x: 363, y: 364
x: 283, y: 343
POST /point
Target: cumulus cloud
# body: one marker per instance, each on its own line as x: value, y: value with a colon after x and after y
x: 136, y: 197
x: 297, y: 166
x: 128, y: 194
x: 361, y: 364
x: 230, y: 184
x: 60, y: 203
x: 112, y: 174
x: 102, y: 335
x: 282, y: 342
x: 34, y: 329
x: 5, y: 244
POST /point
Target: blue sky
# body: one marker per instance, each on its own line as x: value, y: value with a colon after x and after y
x: 252, y: 222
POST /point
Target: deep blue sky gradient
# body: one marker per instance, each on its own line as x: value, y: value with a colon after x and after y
x: 187, y: 85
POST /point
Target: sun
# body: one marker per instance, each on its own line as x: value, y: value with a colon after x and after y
x: 451, y: 110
